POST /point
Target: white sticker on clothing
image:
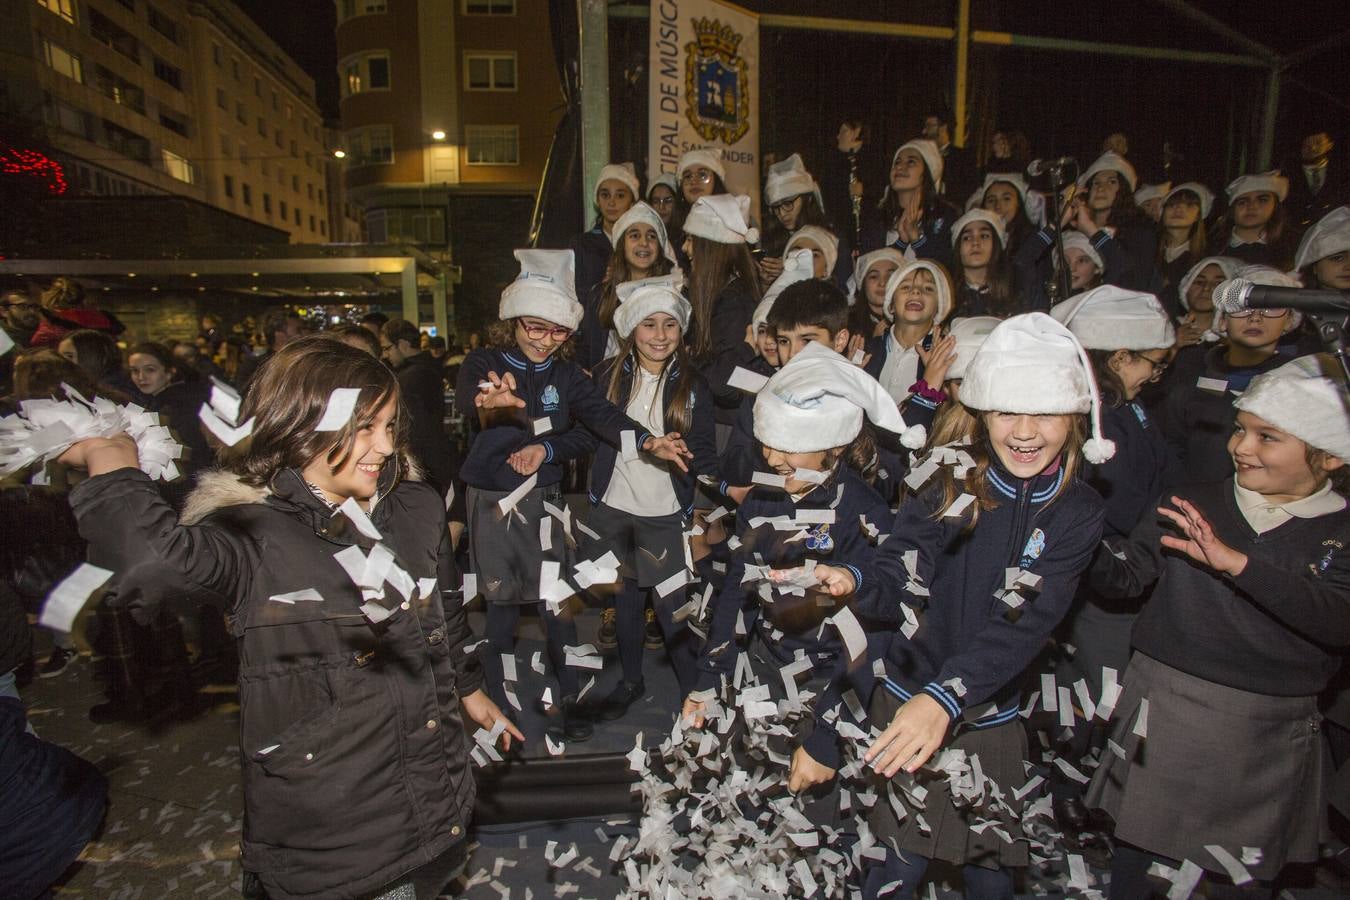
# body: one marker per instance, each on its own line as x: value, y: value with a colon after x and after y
x: 1217, y: 385
x: 542, y: 426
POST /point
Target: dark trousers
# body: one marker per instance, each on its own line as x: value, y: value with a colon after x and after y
x: 901, y: 875
x: 630, y: 624
x: 559, y: 631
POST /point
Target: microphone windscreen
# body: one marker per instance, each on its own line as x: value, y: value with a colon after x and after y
x: 1231, y: 295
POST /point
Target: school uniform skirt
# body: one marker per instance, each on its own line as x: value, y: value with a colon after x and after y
x: 1002, y: 752
x: 506, y: 550
x: 650, y: 548
x: 1218, y: 766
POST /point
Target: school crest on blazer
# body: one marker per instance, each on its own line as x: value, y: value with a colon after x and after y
x: 549, y: 398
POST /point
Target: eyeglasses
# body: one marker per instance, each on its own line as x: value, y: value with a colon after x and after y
x: 781, y: 205
x: 703, y: 175
x: 1158, y: 368
x: 661, y: 201
x: 536, y: 332
x: 1263, y: 313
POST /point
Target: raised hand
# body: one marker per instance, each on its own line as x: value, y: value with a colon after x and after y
x: 527, y: 460
x: 670, y: 448
x: 498, y: 393
x: 1199, y: 543
x: 937, y: 361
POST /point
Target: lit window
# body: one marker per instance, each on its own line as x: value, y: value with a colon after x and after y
x: 62, y: 61
x: 492, y: 145
x: 63, y: 8
x: 366, y: 72
x: 178, y: 167
x: 490, y: 71
x: 489, y: 7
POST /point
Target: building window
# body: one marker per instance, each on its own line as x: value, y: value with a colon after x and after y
x: 309, y: 190
x: 226, y: 146
x: 320, y: 195
x: 110, y: 34
x: 365, y: 72
x: 234, y: 66
x: 67, y: 118
x: 489, y: 7
x: 170, y: 75
x: 118, y: 89
x: 62, y: 61
x: 248, y: 194
x: 350, y: 9
x: 295, y: 183
x: 162, y: 23
x: 240, y: 114
x: 129, y: 4
x: 490, y: 71
x: 221, y: 101
x: 178, y: 167
x: 262, y: 126
x: 63, y: 8
x: 275, y: 107
x: 174, y: 123
x: 217, y: 55
x: 243, y: 153
x: 295, y: 150
x: 257, y: 88
x: 267, y: 203
x: 372, y: 145
x: 126, y: 142
x: 282, y: 205
x: 229, y: 186
x: 492, y: 145
x: 323, y: 228
x: 297, y: 216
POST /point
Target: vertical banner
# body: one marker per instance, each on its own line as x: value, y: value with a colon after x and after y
x: 704, y: 88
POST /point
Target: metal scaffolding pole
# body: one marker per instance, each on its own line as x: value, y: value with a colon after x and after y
x: 960, y: 110
x: 1266, y: 149
x: 594, y: 18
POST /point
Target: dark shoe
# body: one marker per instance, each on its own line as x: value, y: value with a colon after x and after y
x: 607, y: 638
x: 654, y: 639
x: 58, y: 662
x: 617, y: 703
x: 576, y: 723
x: 1073, y: 817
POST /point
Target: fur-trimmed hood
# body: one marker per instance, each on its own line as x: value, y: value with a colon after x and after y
x: 219, y: 489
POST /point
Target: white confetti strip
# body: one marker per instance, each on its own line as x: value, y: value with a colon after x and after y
x: 744, y: 380
x: 1235, y: 869
x: 768, y: 479
x: 353, y: 511
x: 338, y: 412
x: 70, y: 596
x: 508, y: 503
x: 302, y: 595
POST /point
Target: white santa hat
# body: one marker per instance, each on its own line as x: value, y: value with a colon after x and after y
x: 817, y: 402
x: 724, y: 218
x: 709, y: 158
x: 545, y: 288
x: 940, y: 276
x: 822, y: 238
x: 1111, y: 161
x: 1116, y: 318
x: 1149, y: 192
x: 1205, y: 195
x: 1272, y: 182
x: 624, y: 173
x: 1258, y: 275
x: 665, y: 178
x: 1306, y: 398
x: 970, y: 333
x: 647, y: 296
x: 798, y: 265
x: 1228, y: 265
x: 865, y: 262
x: 641, y: 213
x: 929, y: 152
x: 1078, y: 241
x: 787, y: 179
x: 980, y: 215
x: 1032, y: 365
x: 1329, y: 236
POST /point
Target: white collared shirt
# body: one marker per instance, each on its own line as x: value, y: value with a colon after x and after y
x: 1265, y: 516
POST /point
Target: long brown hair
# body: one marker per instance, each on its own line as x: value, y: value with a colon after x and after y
x: 714, y: 265
x: 679, y: 412
x: 39, y: 374
x: 289, y: 395
x: 617, y: 272
x: 1003, y: 301
x: 1195, y: 243
x: 977, y: 477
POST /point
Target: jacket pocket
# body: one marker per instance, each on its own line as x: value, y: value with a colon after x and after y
x: 306, y: 744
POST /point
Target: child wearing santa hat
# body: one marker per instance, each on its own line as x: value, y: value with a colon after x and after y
x: 982, y: 564
x: 615, y: 193
x: 643, y: 506
x: 1255, y: 227
x: 524, y: 400
x: 913, y: 217
x: 918, y: 301
x: 1218, y: 757
x: 809, y: 423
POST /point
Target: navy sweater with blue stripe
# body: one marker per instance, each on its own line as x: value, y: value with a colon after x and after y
x: 700, y: 438
x: 555, y: 389
x: 970, y: 649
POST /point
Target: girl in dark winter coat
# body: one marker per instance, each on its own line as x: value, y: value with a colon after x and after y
x: 724, y: 291
x: 175, y: 394
x: 1323, y: 258
x: 643, y: 507
x: 353, y: 673
x: 1218, y: 731
x: 1181, y: 237
x: 1255, y: 229
x: 1009, y: 197
x: 1128, y: 337
x: 615, y: 193
x: 983, y: 275
x: 867, y: 304
x: 527, y: 402
x: 954, y: 664
x: 1108, y: 192
x: 913, y: 217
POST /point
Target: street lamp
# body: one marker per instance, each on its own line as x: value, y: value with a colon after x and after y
x: 339, y: 153
x: 438, y: 135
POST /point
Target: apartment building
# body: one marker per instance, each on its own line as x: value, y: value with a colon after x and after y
x: 184, y: 97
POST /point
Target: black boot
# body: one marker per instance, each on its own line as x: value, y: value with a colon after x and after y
x: 576, y: 721
x: 617, y: 703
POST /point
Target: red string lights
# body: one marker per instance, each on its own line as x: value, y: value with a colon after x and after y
x: 20, y: 161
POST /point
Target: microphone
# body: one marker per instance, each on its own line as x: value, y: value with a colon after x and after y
x: 1039, y: 166
x: 1238, y: 294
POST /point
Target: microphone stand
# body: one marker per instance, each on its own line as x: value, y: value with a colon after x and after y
x: 1057, y: 183
x: 1331, y: 331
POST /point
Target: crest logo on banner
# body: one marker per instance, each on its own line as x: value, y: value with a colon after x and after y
x: 717, y: 95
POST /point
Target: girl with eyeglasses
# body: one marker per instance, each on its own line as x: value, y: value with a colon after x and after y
x: 525, y: 396
x: 794, y: 202
x: 1128, y: 337
x: 1197, y: 412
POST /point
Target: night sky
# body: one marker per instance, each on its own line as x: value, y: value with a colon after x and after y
x: 305, y: 29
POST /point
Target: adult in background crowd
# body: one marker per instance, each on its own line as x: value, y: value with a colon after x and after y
x: 278, y: 330
x: 99, y: 356
x: 419, y: 380
x: 64, y: 309
x: 1318, y: 180
x: 958, y: 168
x: 22, y: 317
